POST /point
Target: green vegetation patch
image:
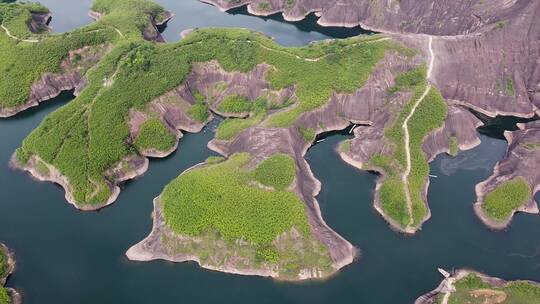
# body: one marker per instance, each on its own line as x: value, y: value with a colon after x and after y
x: 453, y: 147
x: 428, y: 116
x: 17, y: 16
x: 211, y: 160
x: 219, y: 197
x: 507, y: 197
x: 154, y: 135
x: 3, y: 263
x: 199, y: 112
x: 4, y: 296
x: 277, y: 171
x: 219, y: 201
x: 308, y: 134
x: 345, y: 146
x: 471, y: 289
x: 231, y: 127
x: 128, y: 17
x: 90, y: 135
x: 23, y: 63
x: 510, y: 91
x: 235, y: 104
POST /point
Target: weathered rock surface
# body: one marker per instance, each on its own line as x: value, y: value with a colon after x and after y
x: 40, y: 22
x: 482, y: 45
x: 425, y: 16
x: 521, y: 159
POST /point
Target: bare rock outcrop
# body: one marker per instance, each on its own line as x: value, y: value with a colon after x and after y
x: 425, y: 16
x: 39, y: 22
x: 522, y: 156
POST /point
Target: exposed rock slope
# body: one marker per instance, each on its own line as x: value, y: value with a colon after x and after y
x: 486, y: 59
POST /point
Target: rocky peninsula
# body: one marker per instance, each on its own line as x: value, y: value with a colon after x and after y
x: 467, y: 286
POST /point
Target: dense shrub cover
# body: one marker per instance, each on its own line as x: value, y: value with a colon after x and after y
x: 3, y: 264
x: 219, y: 197
x: 199, y: 111
x: 154, y: 135
x: 220, y: 202
x: 4, y: 297
x: 235, y: 104
x: 16, y: 16
x: 277, y: 171
x: 501, y: 202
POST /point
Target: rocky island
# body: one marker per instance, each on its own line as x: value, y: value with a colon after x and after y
x: 410, y: 92
x: 466, y: 286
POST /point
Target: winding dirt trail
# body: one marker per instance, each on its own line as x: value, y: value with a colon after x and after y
x: 405, y: 128
x: 17, y: 38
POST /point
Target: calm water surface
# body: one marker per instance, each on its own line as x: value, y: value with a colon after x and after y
x: 67, y: 256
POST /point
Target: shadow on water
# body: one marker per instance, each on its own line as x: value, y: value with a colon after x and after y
x: 308, y: 24
x: 495, y: 127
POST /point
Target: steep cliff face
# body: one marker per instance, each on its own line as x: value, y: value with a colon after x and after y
x: 496, y: 71
x: 444, y: 17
